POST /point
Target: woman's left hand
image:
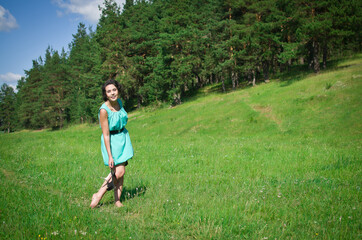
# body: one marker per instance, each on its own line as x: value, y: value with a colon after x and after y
x: 111, y: 163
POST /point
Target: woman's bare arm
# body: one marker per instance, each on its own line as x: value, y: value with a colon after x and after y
x: 103, y: 118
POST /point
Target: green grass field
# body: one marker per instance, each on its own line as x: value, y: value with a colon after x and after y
x: 278, y: 161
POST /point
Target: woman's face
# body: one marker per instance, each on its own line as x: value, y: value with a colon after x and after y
x: 111, y: 92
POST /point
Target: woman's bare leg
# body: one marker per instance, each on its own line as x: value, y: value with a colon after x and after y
x: 118, y: 186
x: 98, y: 196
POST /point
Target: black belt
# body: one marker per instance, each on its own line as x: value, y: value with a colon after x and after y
x: 116, y: 131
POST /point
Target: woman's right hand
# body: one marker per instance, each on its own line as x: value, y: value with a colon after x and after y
x: 111, y: 162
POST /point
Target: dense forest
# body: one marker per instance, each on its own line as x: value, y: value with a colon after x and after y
x: 163, y: 50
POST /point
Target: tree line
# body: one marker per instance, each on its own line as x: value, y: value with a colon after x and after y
x: 161, y: 50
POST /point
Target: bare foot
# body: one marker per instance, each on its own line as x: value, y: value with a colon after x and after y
x: 118, y: 204
x: 95, y: 200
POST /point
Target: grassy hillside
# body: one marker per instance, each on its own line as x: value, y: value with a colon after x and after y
x: 278, y: 161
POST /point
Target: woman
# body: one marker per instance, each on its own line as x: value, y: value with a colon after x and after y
x: 115, y: 141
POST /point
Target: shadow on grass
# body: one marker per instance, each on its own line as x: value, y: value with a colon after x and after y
x: 215, y: 88
x: 127, y: 194
x: 293, y: 74
x: 298, y: 72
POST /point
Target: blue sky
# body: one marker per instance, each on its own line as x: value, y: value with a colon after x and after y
x: 27, y: 28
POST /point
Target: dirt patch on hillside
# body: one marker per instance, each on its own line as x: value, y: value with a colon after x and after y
x: 267, y: 111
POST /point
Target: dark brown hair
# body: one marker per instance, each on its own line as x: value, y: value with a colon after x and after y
x: 109, y: 82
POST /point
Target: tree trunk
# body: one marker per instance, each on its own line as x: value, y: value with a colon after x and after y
x: 248, y: 77
x: 233, y: 79
x: 325, y: 52
x: 237, y: 79
x: 185, y: 88
x: 177, y: 98
x: 60, y: 119
x: 316, y: 66
x: 301, y: 60
x: 254, y: 80
x: 310, y: 55
x: 139, y: 101
x: 223, y: 84
x: 266, y: 71
x: 199, y: 81
x: 275, y: 64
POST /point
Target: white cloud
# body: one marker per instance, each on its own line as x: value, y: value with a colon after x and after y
x: 10, y: 79
x: 7, y: 21
x: 87, y: 8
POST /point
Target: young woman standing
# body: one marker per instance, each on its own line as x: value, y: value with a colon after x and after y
x: 116, y: 144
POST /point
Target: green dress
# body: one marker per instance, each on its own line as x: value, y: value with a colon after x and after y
x: 121, y: 146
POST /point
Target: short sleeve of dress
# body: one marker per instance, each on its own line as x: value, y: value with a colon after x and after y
x: 99, y: 112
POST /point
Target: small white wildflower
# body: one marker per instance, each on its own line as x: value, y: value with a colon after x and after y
x: 95, y: 232
x: 55, y: 233
x: 75, y: 231
x: 179, y: 204
x: 83, y: 233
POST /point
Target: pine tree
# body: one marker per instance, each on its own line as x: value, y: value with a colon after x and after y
x: 109, y: 37
x: 85, y: 78
x: 30, y: 96
x: 313, y: 28
x: 7, y: 108
x: 268, y: 19
x: 56, y: 89
x: 141, y: 29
